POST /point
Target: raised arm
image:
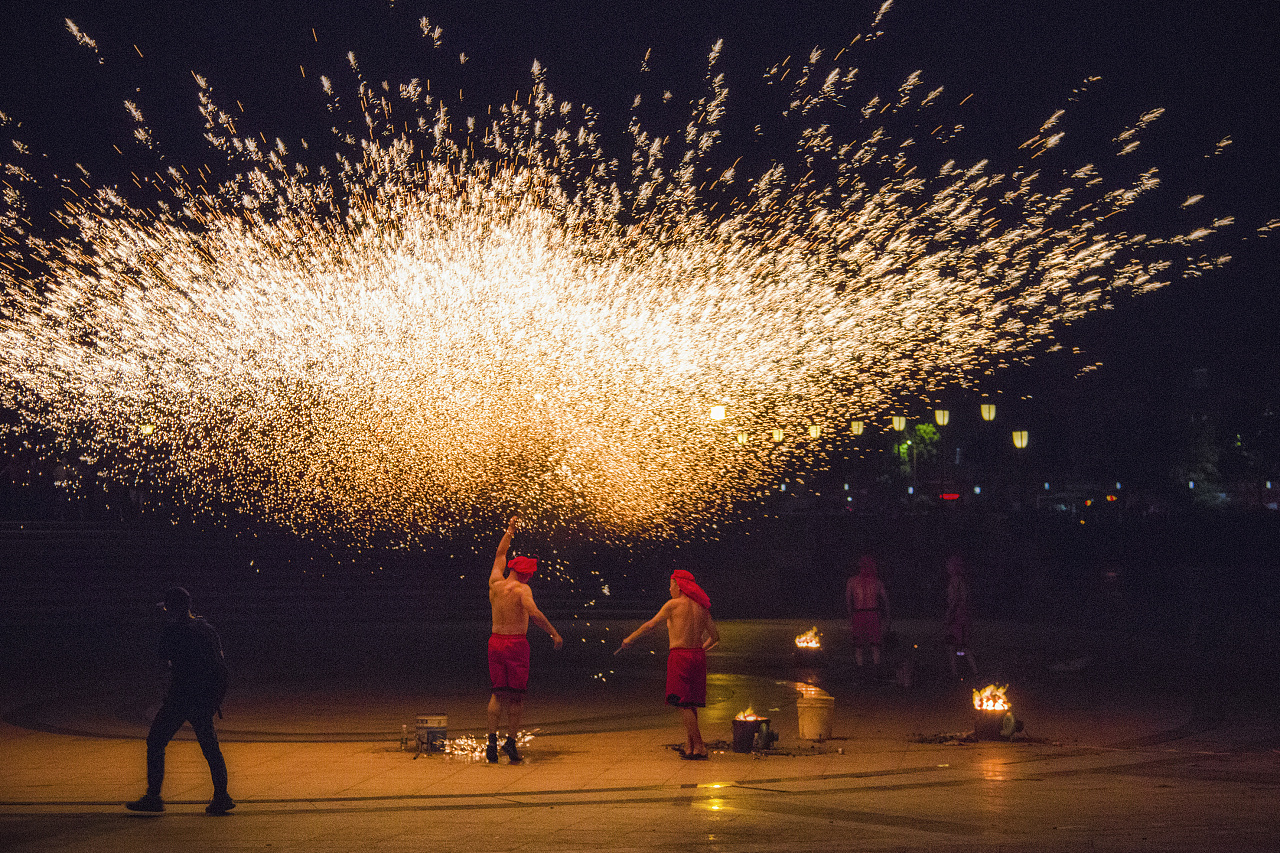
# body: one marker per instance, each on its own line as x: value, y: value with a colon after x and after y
x: 500, y: 560
x: 658, y: 619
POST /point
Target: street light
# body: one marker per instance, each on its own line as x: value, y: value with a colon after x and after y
x: 855, y: 427
x: 941, y: 416
x: 814, y: 431
x: 988, y: 411
x: 777, y: 435
x: 1020, y: 438
x: 899, y: 422
x: 742, y: 438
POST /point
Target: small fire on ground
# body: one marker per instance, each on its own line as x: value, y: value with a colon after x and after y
x: 810, y: 639
x: 748, y: 715
x: 991, y: 698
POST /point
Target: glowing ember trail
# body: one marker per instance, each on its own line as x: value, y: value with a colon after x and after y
x: 459, y: 313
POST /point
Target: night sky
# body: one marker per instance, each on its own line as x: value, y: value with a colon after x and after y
x: 1212, y: 65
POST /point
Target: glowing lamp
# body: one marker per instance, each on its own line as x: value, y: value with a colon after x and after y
x: 147, y: 429
x: 814, y: 431
x: 950, y: 496
x: 1111, y: 498
x: 777, y: 435
x: 742, y: 438
x: 988, y: 411
x: 717, y: 413
x: 855, y: 427
x: 899, y: 422
x: 1020, y: 438
x: 941, y: 416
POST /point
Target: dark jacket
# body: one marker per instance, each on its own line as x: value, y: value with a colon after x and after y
x: 198, y: 673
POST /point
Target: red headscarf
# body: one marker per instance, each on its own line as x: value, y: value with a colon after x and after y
x: 524, y: 567
x: 690, y: 588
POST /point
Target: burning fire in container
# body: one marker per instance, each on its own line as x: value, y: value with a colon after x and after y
x: 991, y: 698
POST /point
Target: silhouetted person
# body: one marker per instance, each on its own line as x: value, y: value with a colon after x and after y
x: 512, y: 603
x: 867, y: 604
x: 197, y: 685
x: 690, y: 635
x: 956, y: 635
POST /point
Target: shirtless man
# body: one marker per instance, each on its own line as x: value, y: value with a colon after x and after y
x: 513, y: 607
x: 690, y: 633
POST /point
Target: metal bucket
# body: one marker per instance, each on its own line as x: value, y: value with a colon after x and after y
x: 745, y: 731
x: 815, y: 716
x: 432, y: 731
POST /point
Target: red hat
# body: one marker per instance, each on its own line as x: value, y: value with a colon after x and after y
x: 523, y: 566
x: 690, y: 588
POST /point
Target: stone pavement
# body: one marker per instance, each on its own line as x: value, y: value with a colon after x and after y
x: 1106, y: 763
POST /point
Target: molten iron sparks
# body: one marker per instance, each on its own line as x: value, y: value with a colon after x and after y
x: 451, y: 315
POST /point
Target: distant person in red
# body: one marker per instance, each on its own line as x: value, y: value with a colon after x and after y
x: 690, y: 634
x: 197, y: 685
x: 513, y: 607
x: 957, y: 620
x: 868, y: 607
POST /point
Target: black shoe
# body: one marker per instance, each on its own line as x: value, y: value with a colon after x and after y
x: 491, y: 751
x: 510, y: 749
x: 146, y: 803
x: 221, y: 804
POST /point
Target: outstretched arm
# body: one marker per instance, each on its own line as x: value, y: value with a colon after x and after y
x: 658, y: 619
x: 540, y: 619
x: 500, y: 561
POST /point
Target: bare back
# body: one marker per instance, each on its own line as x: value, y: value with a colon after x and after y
x: 688, y: 623
x: 511, y: 602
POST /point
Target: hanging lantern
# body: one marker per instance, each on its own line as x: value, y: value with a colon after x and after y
x: 988, y: 411
x: 777, y: 435
x: 814, y: 431
x: 717, y: 413
x: 855, y: 427
x: 1020, y: 438
x: 941, y: 416
x: 742, y: 438
x: 899, y: 422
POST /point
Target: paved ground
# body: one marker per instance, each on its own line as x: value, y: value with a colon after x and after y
x: 1110, y: 760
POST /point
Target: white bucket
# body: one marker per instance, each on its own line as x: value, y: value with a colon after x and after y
x: 815, y: 716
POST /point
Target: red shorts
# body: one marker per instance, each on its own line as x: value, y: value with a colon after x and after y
x: 866, y: 628
x: 687, y: 678
x: 509, y: 662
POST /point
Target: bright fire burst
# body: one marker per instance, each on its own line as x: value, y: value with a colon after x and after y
x: 991, y: 698
x: 459, y: 313
x: 810, y: 639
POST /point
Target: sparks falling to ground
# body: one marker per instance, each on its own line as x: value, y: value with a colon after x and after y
x: 455, y: 312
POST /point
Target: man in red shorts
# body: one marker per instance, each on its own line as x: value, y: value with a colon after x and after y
x: 691, y: 633
x: 513, y: 607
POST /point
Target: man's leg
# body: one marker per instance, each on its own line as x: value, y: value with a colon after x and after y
x: 515, y: 709
x: 165, y: 725
x: 202, y: 723
x: 695, y: 746
x: 495, y: 716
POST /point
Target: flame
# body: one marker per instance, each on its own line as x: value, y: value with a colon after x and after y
x: 810, y: 639
x: 991, y: 698
x: 748, y: 715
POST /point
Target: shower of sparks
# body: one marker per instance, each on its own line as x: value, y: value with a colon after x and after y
x: 454, y: 315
